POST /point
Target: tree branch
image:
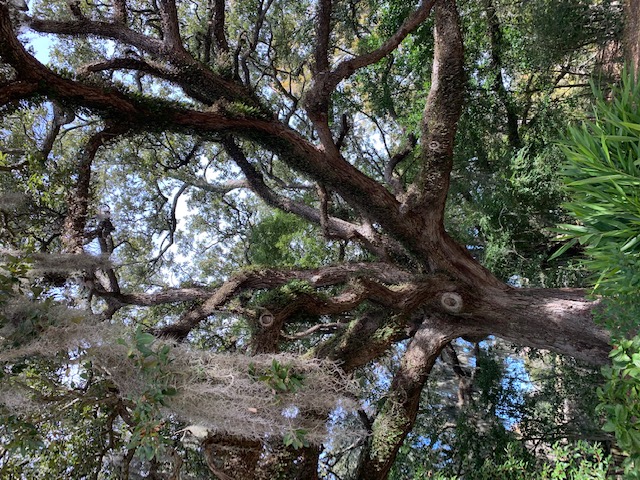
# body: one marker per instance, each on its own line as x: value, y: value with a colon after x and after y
x: 174, y: 221
x: 322, y: 37
x: 331, y: 225
x: 60, y: 118
x: 325, y: 82
x: 196, y: 75
x: 218, y: 19
x: 389, y: 175
x: 78, y: 200
x: 120, y: 11
x: 321, y: 328
x: 442, y: 112
x: 124, y: 63
x: 495, y: 40
x: 170, y: 26
x: 221, y: 189
x: 267, y: 278
x: 398, y: 415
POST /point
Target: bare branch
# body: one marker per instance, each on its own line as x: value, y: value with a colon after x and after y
x: 74, y: 6
x: 128, y: 64
x: 322, y: 36
x: 174, y: 221
x: 319, y: 328
x: 170, y: 26
x: 389, y: 175
x: 120, y: 11
x: 441, y: 115
x: 269, y: 278
x: 220, y: 189
x: 60, y: 118
x: 16, y: 166
x: 333, y: 226
x: 116, y: 31
x: 325, y: 82
x: 344, y: 130
x: 465, y: 379
x: 495, y: 51
x: 14, y: 91
x: 324, y: 206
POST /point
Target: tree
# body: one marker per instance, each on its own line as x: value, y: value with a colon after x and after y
x: 322, y: 128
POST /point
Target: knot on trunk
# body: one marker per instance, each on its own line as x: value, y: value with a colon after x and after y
x: 266, y: 319
x: 451, y: 302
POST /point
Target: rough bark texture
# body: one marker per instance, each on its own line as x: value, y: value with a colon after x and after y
x: 631, y: 34
x: 398, y: 415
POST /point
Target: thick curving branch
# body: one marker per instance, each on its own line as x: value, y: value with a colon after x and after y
x: 429, y: 191
x: 73, y: 236
x: 399, y: 412
x: 202, y: 79
x: 115, y: 31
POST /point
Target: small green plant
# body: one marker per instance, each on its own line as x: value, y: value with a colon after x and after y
x: 296, y: 438
x: 603, y: 179
x: 152, y: 359
x: 283, y: 379
x: 280, y: 378
x: 620, y: 398
x: 242, y: 110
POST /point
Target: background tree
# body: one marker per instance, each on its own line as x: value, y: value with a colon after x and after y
x: 284, y: 189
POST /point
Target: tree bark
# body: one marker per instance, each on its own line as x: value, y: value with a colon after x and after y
x: 398, y: 415
x: 631, y: 35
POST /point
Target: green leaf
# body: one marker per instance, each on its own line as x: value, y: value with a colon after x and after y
x: 145, y: 339
x: 564, y: 248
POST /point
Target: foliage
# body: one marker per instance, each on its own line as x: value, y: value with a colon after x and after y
x: 620, y: 398
x: 603, y: 178
x: 281, y: 378
x: 511, y: 403
x: 604, y: 181
x: 284, y: 239
x: 146, y: 414
x: 579, y: 461
x: 296, y: 439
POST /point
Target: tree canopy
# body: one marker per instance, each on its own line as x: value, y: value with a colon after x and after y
x: 312, y: 239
